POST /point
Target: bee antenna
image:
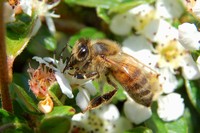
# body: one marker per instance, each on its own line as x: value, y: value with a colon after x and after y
x: 64, y: 48
x: 67, y: 63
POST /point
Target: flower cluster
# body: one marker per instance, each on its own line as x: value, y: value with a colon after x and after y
x: 162, y: 47
x: 106, y: 119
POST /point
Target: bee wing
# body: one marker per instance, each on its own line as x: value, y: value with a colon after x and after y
x: 127, y: 64
x: 124, y: 61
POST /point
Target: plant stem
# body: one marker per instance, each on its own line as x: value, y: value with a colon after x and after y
x: 4, y: 79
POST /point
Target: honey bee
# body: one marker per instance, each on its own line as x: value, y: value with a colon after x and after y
x: 104, y: 59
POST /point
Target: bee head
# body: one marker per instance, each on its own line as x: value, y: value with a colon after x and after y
x: 80, y: 52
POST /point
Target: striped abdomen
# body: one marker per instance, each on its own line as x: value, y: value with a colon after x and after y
x: 136, y: 83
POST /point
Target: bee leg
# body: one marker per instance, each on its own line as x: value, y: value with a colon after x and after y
x: 97, y: 101
x: 90, y: 75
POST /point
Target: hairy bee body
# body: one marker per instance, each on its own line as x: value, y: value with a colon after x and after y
x: 106, y: 59
x: 134, y: 80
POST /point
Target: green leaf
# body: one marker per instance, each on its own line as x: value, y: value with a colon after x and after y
x: 57, y: 121
x: 127, y: 5
x: 139, y: 130
x: 103, y: 14
x: 20, y: 80
x: 94, y: 3
x: 88, y: 32
x: 12, y: 124
x: 179, y: 126
x: 112, y: 5
x: 192, y: 87
x: 19, y: 34
x: 120, y: 94
x: 155, y: 123
x: 55, y: 93
x: 43, y: 38
x: 24, y: 99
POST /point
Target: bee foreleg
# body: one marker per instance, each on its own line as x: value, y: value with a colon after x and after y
x: 97, y: 101
x: 90, y: 75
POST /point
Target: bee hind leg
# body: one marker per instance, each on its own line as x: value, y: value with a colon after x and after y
x: 97, y: 101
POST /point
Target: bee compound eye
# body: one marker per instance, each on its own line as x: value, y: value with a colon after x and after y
x: 83, y: 52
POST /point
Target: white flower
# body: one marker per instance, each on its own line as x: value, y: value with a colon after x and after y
x: 140, y: 16
x: 171, y: 53
x: 106, y: 119
x: 41, y: 9
x: 135, y: 112
x: 122, y: 24
x: 67, y: 81
x: 27, y: 6
x: 170, y: 107
x: 189, y: 36
x: 9, y: 13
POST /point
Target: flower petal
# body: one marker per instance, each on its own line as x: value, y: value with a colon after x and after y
x: 160, y: 31
x: 135, y: 112
x: 120, y: 24
x: 36, y: 27
x: 26, y: 6
x: 141, y: 15
x: 64, y: 84
x: 136, y: 43
x: 82, y: 98
x: 40, y: 60
x: 196, y: 9
x: 169, y: 9
x: 170, y: 107
x: 90, y: 88
x: 141, y: 52
x: 50, y: 25
x: 189, y: 68
x: 53, y: 5
x: 189, y: 36
x: 80, y: 116
x: 167, y: 80
x: 110, y: 112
